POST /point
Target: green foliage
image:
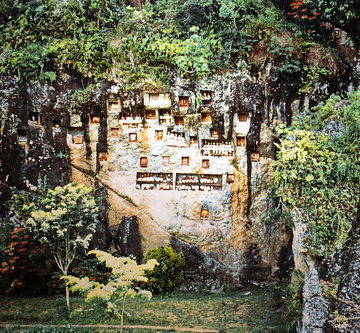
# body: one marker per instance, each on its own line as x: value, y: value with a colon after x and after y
x: 63, y: 219
x: 149, y: 48
x: 313, y: 75
x: 341, y: 13
x: 330, y: 288
x: 294, y: 299
x: 27, y: 62
x: 91, y: 267
x: 125, y: 280
x: 228, y: 25
x: 39, y: 36
x: 317, y: 172
x: 81, y: 97
x: 192, y: 55
x: 319, y: 17
x: 195, y: 37
x: 103, y: 39
x: 170, y: 271
x: 277, y: 214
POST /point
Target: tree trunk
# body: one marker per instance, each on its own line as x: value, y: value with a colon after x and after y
x: 122, y: 314
x: 67, y: 293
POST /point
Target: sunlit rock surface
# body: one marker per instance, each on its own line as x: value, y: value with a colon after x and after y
x: 190, y: 163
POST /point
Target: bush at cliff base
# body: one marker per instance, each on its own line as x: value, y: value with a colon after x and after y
x: 24, y: 269
x: 170, y: 271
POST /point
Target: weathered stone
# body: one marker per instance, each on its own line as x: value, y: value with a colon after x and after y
x: 301, y: 258
x: 90, y: 144
x: 345, y: 266
x: 126, y: 238
x: 315, y: 309
x: 203, y: 272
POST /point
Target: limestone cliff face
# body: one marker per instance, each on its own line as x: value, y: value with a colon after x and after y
x: 341, y: 274
x: 191, y: 163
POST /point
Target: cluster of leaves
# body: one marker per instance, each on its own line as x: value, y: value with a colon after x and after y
x: 289, y: 50
x: 106, y: 39
x: 313, y: 75
x: 170, y: 271
x: 23, y: 269
x: 200, y: 37
x: 300, y: 11
x: 125, y: 280
x: 86, y: 265
x: 59, y: 216
x: 40, y: 35
x: 317, y: 174
x: 320, y: 17
x: 81, y: 97
x: 83, y: 266
x: 294, y: 300
x: 308, y: 17
x: 344, y: 14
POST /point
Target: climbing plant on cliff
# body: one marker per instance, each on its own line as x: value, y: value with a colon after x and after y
x: 63, y: 219
x: 317, y: 174
x: 37, y: 36
x: 105, y: 39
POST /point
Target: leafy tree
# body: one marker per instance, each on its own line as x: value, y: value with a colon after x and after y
x: 170, y: 271
x: 344, y: 14
x: 224, y: 22
x: 323, y: 15
x: 63, y: 219
x: 317, y: 174
x: 125, y: 280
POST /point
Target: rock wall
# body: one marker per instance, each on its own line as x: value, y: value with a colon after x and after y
x: 190, y: 163
x: 331, y: 289
x: 341, y: 273
x: 315, y: 308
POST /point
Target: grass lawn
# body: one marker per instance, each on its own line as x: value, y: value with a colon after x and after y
x: 230, y: 312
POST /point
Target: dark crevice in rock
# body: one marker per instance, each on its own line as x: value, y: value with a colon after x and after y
x: 252, y: 145
x: 102, y: 237
x: 285, y: 261
x: 218, y: 124
x: 126, y: 238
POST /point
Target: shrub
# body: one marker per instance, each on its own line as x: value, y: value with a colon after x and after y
x: 170, y: 271
x: 294, y: 299
x: 23, y: 270
x: 125, y: 280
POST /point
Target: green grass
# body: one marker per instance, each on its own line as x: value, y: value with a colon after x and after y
x: 232, y: 312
